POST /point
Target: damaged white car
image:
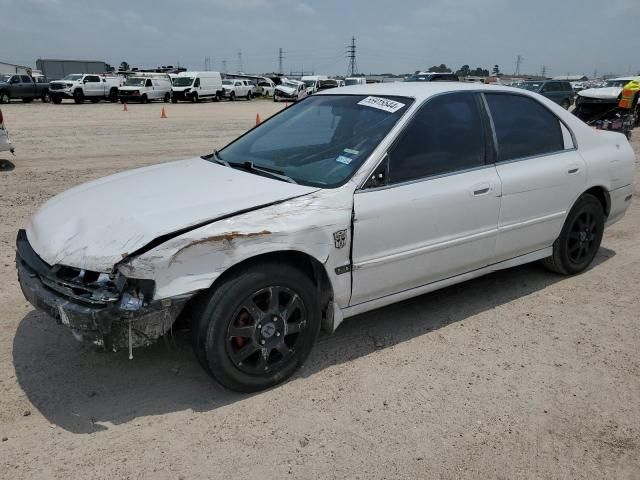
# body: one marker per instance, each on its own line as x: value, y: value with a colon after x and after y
x: 343, y: 203
x: 5, y: 142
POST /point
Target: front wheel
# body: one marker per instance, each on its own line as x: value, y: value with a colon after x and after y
x: 78, y: 96
x: 249, y: 96
x: 57, y: 99
x: 232, y: 96
x: 580, y: 238
x: 194, y: 97
x: 257, y: 327
x: 167, y: 97
x: 45, y: 97
x: 4, y: 97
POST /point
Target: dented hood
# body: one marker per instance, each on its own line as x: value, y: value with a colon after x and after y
x: 97, y: 224
x: 605, y: 93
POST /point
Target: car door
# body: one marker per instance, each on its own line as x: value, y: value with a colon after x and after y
x: 17, y: 87
x: 436, y: 214
x: 541, y: 173
x: 28, y: 87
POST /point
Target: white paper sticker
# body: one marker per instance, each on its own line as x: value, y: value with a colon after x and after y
x: 381, y: 104
x: 343, y: 159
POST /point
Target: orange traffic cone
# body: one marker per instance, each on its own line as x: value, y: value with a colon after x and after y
x: 257, y: 119
x: 124, y: 107
x: 163, y: 114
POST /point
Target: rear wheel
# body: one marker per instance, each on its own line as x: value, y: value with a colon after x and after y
x: 145, y: 99
x: 4, y: 97
x: 257, y: 327
x: 45, y: 97
x: 57, y: 99
x: 580, y: 238
x: 232, y: 96
x: 249, y: 96
x: 167, y: 97
x: 113, y: 95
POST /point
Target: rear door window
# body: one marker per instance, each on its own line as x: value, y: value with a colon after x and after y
x: 524, y: 128
x: 26, y: 79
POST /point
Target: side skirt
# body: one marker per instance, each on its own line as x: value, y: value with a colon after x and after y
x: 430, y: 287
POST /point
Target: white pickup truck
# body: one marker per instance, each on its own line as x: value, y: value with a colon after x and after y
x: 85, y: 86
x: 237, y: 88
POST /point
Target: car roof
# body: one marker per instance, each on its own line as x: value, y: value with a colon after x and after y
x: 418, y: 90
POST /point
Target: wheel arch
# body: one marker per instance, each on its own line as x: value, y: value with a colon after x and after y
x: 602, y: 195
x: 305, y: 262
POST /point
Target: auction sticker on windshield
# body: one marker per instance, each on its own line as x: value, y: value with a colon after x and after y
x: 385, y: 104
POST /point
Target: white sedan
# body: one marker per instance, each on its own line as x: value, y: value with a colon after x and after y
x: 340, y: 204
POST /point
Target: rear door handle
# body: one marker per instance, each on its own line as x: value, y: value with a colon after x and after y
x: 573, y: 169
x: 481, y: 189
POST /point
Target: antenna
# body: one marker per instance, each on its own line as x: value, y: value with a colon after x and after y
x: 240, y: 69
x: 280, y: 58
x: 518, y: 63
x: 352, y: 69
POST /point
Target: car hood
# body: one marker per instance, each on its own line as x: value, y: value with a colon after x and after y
x: 606, y: 93
x: 287, y: 90
x: 95, y: 225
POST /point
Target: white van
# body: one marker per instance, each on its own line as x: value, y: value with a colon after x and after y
x: 355, y: 81
x: 196, y: 86
x: 145, y: 87
x: 312, y: 82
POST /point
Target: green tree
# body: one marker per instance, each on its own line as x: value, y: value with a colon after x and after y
x: 464, y: 71
x: 440, y: 69
x: 124, y: 66
x: 109, y: 68
x: 496, y: 71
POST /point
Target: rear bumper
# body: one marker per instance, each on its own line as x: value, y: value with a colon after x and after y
x: 104, y: 324
x: 5, y: 143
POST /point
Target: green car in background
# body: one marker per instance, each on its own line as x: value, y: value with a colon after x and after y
x: 559, y: 91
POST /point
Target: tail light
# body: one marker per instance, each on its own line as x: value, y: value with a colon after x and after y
x: 1, y: 120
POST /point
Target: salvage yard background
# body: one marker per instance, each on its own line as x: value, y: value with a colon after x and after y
x: 521, y: 374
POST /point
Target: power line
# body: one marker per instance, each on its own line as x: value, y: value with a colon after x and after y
x: 352, y: 69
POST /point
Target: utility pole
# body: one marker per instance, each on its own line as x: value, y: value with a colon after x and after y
x: 352, y: 69
x: 543, y: 72
x: 224, y: 66
x: 280, y: 58
x: 595, y: 73
x: 240, y: 69
x: 518, y: 63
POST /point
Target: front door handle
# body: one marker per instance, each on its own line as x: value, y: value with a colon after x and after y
x: 573, y: 169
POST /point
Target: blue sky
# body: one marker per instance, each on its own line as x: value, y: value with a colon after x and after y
x: 567, y: 36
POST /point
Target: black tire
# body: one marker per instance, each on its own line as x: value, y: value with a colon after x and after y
x: 219, y: 311
x: 27, y: 100
x: 113, y: 95
x: 144, y: 98
x: 249, y: 96
x: 45, y: 97
x: 167, y: 97
x: 566, y: 103
x: 78, y: 96
x: 580, y: 238
x: 174, y: 99
x: 4, y: 97
x: 218, y: 97
x: 57, y: 99
x: 232, y: 96
x: 194, y: 97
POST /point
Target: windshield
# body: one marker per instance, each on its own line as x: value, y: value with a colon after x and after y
x: 288, y: 83
x: 310, y: 83
x: 5, y: 78
x: 533, y: 86
x: 616, y: 83
x: 227, y: 82
x: 320, y: 141
x: 351, y: 81
x: 134, y: 82
x: 182, y: 81
x: 73, y: 77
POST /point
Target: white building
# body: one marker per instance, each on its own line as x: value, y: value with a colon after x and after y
x: 11, y: 68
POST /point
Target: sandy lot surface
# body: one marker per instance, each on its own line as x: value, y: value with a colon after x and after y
x: 521, y: 374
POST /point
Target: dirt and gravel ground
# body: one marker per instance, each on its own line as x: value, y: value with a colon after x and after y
x: 521, y: 374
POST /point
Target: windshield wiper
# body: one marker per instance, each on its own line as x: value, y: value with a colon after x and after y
x: 218, y: 159
x: 272, y: 172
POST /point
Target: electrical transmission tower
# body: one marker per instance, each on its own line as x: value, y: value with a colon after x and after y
x: 207, y: 64
x: 518, y: 63
x: 352, y: 69
x: 240, y: 68
x: 543, y: 72
x: 280, y: 58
